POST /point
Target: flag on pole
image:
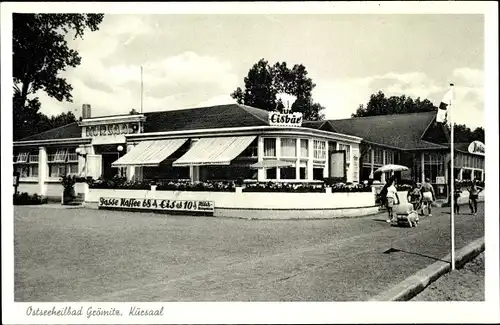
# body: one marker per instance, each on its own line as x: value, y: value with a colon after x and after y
x: 443, y: 107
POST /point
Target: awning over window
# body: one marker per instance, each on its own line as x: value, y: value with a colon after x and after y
x: 149, y: 153
x: 214, y: 151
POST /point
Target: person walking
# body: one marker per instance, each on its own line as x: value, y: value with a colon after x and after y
x: 456, y: 196
x: 391, y: 199
x: 474, y: 191
x: 428, y: 196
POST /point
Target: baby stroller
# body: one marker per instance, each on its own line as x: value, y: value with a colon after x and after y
x: 406, y: 215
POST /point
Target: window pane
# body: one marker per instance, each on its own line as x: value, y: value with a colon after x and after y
x: 288, y: 147
x: 319, y: 149
x: 288, y: 173
x: 271, y: 173
x: 347, y: 149
x: 303, y: 173
x: 34, y: 171
x: 466, y: 174
x: 73, y: 169
x: 269, y: 147
x: 317, y: 173
x: 54, y: 170
x: 477, y: 175
x: 304, y: 148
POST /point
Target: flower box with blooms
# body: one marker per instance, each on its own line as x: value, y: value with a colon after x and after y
x: 206, y: 186
x: 284, y: 187
x: 26, y: 199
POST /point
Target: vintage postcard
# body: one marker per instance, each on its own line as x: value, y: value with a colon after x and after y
x: 265, y: 162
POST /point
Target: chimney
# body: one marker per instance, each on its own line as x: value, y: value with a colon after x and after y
x: 86, y: 111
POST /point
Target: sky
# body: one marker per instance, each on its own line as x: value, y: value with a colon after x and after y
x: 198, y: 60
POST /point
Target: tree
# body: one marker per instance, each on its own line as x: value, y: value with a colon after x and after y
x: 463, y: 134
x: 39, y: 53
x: 381, y: 105
x: 264, y: 82
x: 46, y: 123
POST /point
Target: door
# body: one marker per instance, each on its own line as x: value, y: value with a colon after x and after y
x: 338, y: 165
x: 109, y: 172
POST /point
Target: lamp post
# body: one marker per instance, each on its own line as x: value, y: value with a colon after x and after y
x: 81, y: 152
x: 120, y: 149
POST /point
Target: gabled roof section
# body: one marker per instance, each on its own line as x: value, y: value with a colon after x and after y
x: 68, y: 131
x: 403, y: 131
x: 212, y: 117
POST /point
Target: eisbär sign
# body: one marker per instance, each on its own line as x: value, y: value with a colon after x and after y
x: 156, y: 204
x: 477, y: 147
x: 281, y: 119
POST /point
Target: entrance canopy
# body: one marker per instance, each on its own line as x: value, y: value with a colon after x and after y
x: 149, y: 153
x: 214, y: 151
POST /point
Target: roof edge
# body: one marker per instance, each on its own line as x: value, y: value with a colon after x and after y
x: 59, y: 127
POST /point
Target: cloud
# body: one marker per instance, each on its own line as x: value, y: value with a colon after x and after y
x: 179, y: 81
x: 342, y: 96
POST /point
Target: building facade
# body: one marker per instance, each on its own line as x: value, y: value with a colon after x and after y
x: 241, y: 143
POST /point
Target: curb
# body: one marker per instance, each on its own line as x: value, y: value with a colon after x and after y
x: 413, y: 285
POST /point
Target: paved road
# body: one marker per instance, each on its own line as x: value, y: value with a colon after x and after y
x: 90, y: 255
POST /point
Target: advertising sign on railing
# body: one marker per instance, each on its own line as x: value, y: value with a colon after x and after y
x: 156, y: 204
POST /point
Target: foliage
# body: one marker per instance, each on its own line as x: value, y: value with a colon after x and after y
x: 463, y: 134
x: 305, y: 188
x: 26, y: 199
x: 379, y: 104
x: 39, y: 53
x: 120, y: 183
x: 68, y: 183
x: 197, y: 186
x: 467, y: 183
x: 264, y: 82
x: 348, y: 187
x: 284, y: 187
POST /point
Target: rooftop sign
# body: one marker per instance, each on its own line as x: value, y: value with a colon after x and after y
x: 289, y: 120
x: 477, y: 147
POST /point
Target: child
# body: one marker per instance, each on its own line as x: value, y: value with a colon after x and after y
x: 414, y: 196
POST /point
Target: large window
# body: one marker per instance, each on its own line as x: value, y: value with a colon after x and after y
x: 269, y: 147
x: 378, y: 156
x: 478, y: 175
x: 26, y: 164
x: 251, y: 151
x: 288, y: 147
x: 389, y: 157
x: 319, y: 150
x: 226, y: 173
x: 304, y: 148
x: 347, y: 149
x: 62, y: 162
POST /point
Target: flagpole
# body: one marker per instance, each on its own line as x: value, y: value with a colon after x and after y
x: 141, y: 89
x: 452, y: 221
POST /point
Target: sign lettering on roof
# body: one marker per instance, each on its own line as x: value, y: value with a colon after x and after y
x: 111, y: 129
x: 288, y: 120
x: 477, y: 147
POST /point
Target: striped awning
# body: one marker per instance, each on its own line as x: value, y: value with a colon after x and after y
x: 149, y: 153
x: 214, y: 151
